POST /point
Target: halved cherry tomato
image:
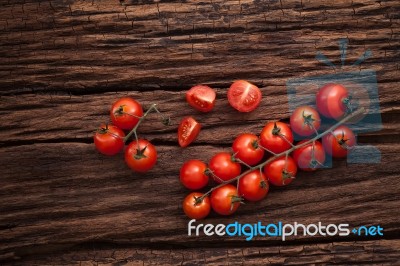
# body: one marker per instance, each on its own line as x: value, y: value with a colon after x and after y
x: 109, y: 139
x: 125, y: 113
x: 225, y: 200
x: 253, y: 186
x: 194, y: 208
x: 309, y: 157
x: 188, y: 131
x: 201, y: 97
x: 247, y: 149
x: 338, y: 143
x: 141, y: 156
x: 244, y: 96
x: 224, y: 167
x: 305, y: 121
x: 193, y: 174
x: 281, y: 171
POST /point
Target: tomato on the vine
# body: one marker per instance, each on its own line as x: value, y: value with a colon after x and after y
x: 109, y: 139
x: 125, y: 113
x: 201, y: 98
x: 193, y: 174
x: 194, y: 207
x: 246, y: 149
x: 305, y: 121
x: 253, y: 186
x: 244, y: 96
x: 225, y: 200
x: 339, y: 142
x: 224, y: 167
x: 140, y: 156
x: 281, y: 171
x: 188, y: 131
x: 333, y: 100
x: 276, y: 137
x: 309, y: 157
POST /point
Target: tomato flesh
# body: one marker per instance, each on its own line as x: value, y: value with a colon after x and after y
x: 201, y: 98
x: 244, y: 96
x: 188, y: 131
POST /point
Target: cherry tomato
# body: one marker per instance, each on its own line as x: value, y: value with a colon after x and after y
x: 201, y: 98
x: 223, y: 166
x: 244, y: 96
x: 305, y: 121
x: 273, y: 137
x: 225, y: 200
x: 195, y: 209
x: 188, y: 131
x: 246, y: 149
x: 125, y: 113
x: 140, y: 156
x: 253, y: 186
x: 193, y: 174
x: 337, y: 144
x: 304, y: 159
x: 332, y: 100
x: 109, y: 139
x: 281, y: 171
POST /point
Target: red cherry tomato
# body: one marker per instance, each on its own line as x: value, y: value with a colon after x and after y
x: 253, y: 186
x: 194, y: 209
x: 304, y: 159
x: 188, y: 131
x: 339, y: 143
x: 201, y: 98
x: 109, y: 139
x: 225, y: 200
x: 244, y: 96
x: 273, y: 137
x: 223, y: 166
x: 125, y: 113
x: 193, y: 174
x: 140, y: 156
x: 331, y: 100
x: 281, y: 171
x: 246, y: 149
x: 305, y: 121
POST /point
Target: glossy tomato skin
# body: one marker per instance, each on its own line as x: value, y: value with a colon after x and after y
x: 201, y: 98
x: 330, y: 100
x: 253, y: 186
x: 188, y: 131
x: 222, y: 166
x: 193, y: 174
x: 341, y: 135
x: 276, y: 143
x: 196, y: 211
x: 280, y: 172
x: 244, y: 96
x: 225, y: 200
x: 141, y: 156
x: 125, y: 113
x: 109, y: 139
x: 303, y: 155
x: 246, y: 148
x: 304, y: 119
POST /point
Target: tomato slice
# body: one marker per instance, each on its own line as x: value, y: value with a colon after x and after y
x: 244, y: 96
x: 201, y: 98
x: 188, y: 131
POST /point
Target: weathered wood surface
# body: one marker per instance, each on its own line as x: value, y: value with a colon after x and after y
x: 62, y: 63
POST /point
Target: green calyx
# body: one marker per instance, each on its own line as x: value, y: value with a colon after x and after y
x: 276, y: 131
x: 308, y: 119
x: 140, y: 153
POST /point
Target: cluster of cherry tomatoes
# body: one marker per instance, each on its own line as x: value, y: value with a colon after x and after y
x: 282, y: 157
x: 109, y: 139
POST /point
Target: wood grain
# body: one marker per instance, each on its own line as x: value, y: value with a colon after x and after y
x: 62, y: 63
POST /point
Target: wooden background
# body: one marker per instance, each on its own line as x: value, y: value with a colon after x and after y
x: 62, y: 63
